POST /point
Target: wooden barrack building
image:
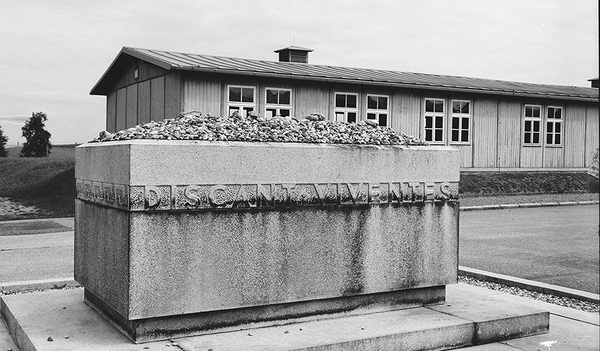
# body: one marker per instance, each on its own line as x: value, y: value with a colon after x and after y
x: 495, y: 124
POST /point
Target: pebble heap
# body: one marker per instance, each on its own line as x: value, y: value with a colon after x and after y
x: 311, y: 129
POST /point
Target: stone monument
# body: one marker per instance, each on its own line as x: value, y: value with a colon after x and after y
x: 189, y: 237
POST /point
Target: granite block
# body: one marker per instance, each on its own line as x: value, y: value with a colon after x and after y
x: 168, y: 229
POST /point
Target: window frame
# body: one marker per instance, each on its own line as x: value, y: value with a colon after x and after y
x: 241, y: 105
x: 378, y: 111
x: 460, y: 129
x: 433, y: 115
x: 554, y: 121
x: 532, y: 132
x: 345, y: 110
x: 278, y: 107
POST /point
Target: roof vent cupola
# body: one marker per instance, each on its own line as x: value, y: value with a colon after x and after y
x: 293, y: 54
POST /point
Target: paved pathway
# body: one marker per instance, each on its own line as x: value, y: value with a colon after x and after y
x: 555, y: 245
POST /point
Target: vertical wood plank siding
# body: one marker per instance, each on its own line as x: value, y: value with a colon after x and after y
x: 173, y: 95
x: 157, y: 99
x: 311, y: 99
x: 203, y: 94
x: 574, y: 135
x: 553, y: 157
x: 407, y: 114
x: 144, y: 102
x: 121, y: 109
x: 485, y: 128
x: 132, y: 105
x: 591, y: 135
x: 509, y: 134
x: 111, y: 111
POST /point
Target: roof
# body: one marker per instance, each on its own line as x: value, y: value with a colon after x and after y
x: 303, y: 71
x: 294, y: 48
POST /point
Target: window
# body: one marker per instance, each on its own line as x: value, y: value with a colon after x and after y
x: 434, y: 120
x: 240, y: 99
x: 461, y: 121
x: 377, y: 109
x: 346, y: 108
x: 532, y: 125
x: 278, y: 102
x: 554, y: 125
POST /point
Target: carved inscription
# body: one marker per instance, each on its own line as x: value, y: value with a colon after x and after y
x: 242, y: 196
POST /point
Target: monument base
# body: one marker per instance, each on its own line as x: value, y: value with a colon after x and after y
x: 162, y: 328
x: 60, y: 320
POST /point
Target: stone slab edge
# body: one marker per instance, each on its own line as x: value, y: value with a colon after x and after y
x: 457, y: 331
x: 37, y: 285
x: 528, y: 205
x: 529, y: 284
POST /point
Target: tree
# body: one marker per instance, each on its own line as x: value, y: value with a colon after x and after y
x: 3, y: 140
x: 38, y: 139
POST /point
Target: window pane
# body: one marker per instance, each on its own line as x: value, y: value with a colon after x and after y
x: 536, y: 111
x: 455, y: 135
x: 235, y: 94
x: 428, y: 105
x: 383, y: 120
x: 340, y: 100
x: 233, y: 109
x: 284, y: 97
x: 549, y: 139
x: 438, y: 135
x: 351, y: 117
x: 557, y: 127
x: 527, y: 138
x: 439, y: 121
x: 428, y: 122
x: 382, y: 103
x: 439, y: 106
x: 550, y: 112
x: 339, y: 116
x: 455, y: 122
x: 465, y: 136
x: 536, y: 126
x: 371, y: 116
x: 549, y: 126
x: 455, y: 106
x: 558, y: 113
x: 557, y: 139
x: 465, y: 107
x: 528, y: 126
x: 271, y: 112
x: 271, y: 96
x: 351, y: 101
x: 371, y: 102
x: 528, y: 112
x: 536, y: 138
x: 428, y: 135
x: 247, y: 95
x: 284, y: 112
x: 465, y: 123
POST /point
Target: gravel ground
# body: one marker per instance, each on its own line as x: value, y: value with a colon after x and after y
x: 10, y: 208
x: 562, y: 301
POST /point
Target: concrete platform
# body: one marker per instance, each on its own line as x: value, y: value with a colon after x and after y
x: 467, y: 318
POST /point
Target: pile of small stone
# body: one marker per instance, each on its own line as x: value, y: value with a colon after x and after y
x: 557, y: 300
x: 312, y: 129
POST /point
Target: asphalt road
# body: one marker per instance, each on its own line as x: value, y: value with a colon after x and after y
x: 555, y: 245
x: 36, y: 256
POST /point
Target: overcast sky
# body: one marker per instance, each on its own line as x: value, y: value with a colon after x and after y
x: 53, y: 52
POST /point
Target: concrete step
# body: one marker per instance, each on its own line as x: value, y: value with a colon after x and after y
x: 465, y: 319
